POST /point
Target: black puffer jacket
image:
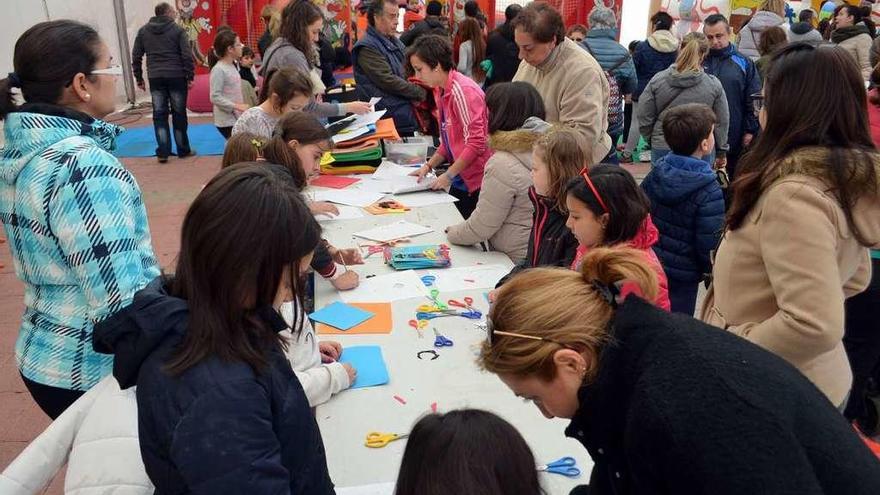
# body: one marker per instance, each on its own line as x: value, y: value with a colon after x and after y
x: 679, y: 407
x: 167, y: 49
x: 550, y: 241
x: 431, y: 25
x: 219, y: 427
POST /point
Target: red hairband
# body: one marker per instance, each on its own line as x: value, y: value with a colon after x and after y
x: 585, y: 174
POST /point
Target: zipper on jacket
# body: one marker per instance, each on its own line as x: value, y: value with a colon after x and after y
x: 540, y: 228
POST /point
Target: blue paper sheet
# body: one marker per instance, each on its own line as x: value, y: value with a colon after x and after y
x: 370, y: 366
x: 340, y: 315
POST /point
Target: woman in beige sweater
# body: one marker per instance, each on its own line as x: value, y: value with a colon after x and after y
x: 504, y: 212
x: 805, y: 209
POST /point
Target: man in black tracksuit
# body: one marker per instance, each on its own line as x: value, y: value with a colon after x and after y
x: 740, y: 80
x: 171, y: 70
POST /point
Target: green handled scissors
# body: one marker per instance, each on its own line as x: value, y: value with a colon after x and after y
x: 377, y: 440
x: 435, y: 296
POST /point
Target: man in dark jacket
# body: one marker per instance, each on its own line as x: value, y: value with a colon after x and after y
x: 432, y: 24
x: 501, y: 49
x: 171, y: 71
x: 740, y: 79
x: 378, y: 60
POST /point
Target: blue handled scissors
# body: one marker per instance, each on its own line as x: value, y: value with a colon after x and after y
x: 565, y: 466
x: 441, y: 341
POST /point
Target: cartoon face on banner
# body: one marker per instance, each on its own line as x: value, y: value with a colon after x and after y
x: 689, y: 14
x: 336, y: 16
x: 194, y: 22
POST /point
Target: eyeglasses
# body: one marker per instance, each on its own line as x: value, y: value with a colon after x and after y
x: 758, y: 102
x: 113, y: 70
x: 586, y: 175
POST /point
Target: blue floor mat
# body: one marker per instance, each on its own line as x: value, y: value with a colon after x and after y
x: 205, y: 139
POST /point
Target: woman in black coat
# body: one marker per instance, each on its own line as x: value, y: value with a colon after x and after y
x: 662, y: 402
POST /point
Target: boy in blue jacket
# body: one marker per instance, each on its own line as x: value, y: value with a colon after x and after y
x: 686, y: 202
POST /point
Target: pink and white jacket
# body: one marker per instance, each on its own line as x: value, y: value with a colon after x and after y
x: 465, y: 134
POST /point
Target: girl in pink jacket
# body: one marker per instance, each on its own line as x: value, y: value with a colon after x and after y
x: 606, y: 208
x: 464, y: 122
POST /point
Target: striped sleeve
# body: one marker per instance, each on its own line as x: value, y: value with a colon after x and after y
x: 100, y: 222
x: 472, y: 113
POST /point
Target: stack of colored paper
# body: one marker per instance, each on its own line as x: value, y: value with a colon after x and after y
x: 362, y: 154
x: 418, y: 257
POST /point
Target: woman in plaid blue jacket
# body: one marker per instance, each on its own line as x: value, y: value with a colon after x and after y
x: 73, y: 216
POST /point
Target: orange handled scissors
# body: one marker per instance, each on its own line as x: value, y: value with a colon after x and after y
x: 377, y: 440
x: 468, y: 303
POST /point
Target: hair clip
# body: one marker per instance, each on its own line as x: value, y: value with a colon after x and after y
x: 257, y: 144
x: 609, y: 293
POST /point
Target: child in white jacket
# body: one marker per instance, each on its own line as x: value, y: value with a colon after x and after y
x: 316, y: 363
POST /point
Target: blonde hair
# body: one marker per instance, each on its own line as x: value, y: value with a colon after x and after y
x: 243, y: 147
x: 274, y: 24
x: 565, y: 152
x: 556, y: 308
x: 695, y: 46
x: 775, y: 6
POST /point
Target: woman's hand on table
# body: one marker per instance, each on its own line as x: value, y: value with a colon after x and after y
x: 422, y: 172
x: 352, y: 373
x: 330, y: 351
x: 347, y: 281
x: 443, y: 182
x: 323, y: 208
x: 358, y: 107
x: 347, y: 256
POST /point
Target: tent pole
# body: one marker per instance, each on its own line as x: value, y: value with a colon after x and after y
x: 124, y: 49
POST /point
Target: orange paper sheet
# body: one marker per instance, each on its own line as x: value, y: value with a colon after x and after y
x: 381, y: 323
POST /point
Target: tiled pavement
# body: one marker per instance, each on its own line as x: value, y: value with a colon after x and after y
x: 168, y: 189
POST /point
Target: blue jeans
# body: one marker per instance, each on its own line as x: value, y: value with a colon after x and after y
x: 658, y: 154
x: 169, y: 93
x: 611, y: 158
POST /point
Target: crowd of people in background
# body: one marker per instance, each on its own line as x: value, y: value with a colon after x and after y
x: 764, y: 187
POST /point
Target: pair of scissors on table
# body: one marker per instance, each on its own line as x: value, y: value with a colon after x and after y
x: 419, y: 325
x: 468, y: 304
x: 435, y: 298
x: 565, y: 466
x: 377, y: 440
x: 441, y: 341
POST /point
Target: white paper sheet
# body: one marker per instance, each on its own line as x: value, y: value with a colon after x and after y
x: 373, y: 489
x: 386, y: 288
x: 345, y: 213
x: 367, y: 119
x: 349, y: 134
x: 389, y: 171
x: 398, y: 185
x: 425, y: 198
x: 468, y: 277
x: 350, y: 197
x: 396, y: 230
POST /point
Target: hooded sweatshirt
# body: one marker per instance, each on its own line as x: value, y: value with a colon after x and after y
x: 220, y: 426
x: 688, y: 208
x: 78, y: 233
x: 504, y: 212
x: 671, y: 88
x: 653, y: 55
x: 803, y: 31
x: 646, y: 237
x: 750, y: 34
x: 167, y: 49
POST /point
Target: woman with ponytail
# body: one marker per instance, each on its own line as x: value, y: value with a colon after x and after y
x: 683, y: 82
x: 73, y: 214
x: 663, y: 402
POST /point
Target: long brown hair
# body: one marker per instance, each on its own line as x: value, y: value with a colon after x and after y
x: 286, y: 82
x: 246, y: 228
x: 306, y: 129
x: 565, y: 152
x: 834, y: 120
x: 242, y: 147
x: 296, y: 17
x: 559, y: 308
x: 470, y: 30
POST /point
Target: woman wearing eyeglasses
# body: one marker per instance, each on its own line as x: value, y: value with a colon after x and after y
x: 73, y: 215
x: 805, y: 209
x: 663, y: 403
